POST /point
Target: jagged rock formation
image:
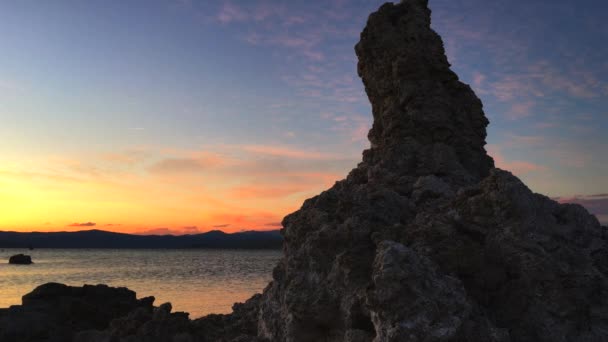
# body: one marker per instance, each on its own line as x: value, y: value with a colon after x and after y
x: 425, y: 240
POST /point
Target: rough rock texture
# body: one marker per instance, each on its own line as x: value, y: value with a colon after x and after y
x: 59, y: 313
x: 20, y: 259
x: 424, y: 241
x: 53, y: 312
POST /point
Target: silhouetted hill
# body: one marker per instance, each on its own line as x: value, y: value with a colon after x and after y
x: 104, y: 239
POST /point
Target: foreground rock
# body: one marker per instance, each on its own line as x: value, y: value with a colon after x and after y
x: 58, y: 313
x: 20, y: 259
x: 425, y: 240
x: 53, y: 312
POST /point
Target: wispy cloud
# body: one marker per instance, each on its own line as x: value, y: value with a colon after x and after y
x: 239, y: 11
x: 525, y: 141
x: 266, y: 191
x: 578, y: 83
x: 479, y: 81
x: 518, y: 167
x: 128, y: 157
x: 288, y: 152
x: 569, y: 157
x: 159, y: 231
x: 84, y: 224
x: 230, y: 12
x: 520, y: 110
x: 170, y: 231
x: 190, y: 229
x: 200, y: 163
x: 178, y: 165
x: 353, y: 126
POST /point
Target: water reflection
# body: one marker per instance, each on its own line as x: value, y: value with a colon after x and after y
x: 196, y: 281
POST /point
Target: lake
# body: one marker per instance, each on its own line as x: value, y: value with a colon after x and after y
x: 198, y: 281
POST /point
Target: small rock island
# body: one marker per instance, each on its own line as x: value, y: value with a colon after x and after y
x: 20, y: 259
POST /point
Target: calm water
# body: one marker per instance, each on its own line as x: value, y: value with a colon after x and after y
x: 197, y: 281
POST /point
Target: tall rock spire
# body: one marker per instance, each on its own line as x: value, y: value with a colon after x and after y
x: 419, y: 106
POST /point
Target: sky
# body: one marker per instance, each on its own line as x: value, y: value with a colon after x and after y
x: 187, y: 116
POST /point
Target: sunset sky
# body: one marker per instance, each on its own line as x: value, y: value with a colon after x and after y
x: 185, y: 116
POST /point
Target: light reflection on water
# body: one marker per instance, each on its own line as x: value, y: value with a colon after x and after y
x: 194, y: 280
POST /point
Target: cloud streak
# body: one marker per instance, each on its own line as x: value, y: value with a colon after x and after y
x: 518, y: 167
x: 287, y: 152
x: 84, y: 224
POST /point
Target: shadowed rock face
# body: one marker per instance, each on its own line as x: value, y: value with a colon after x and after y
x: 424, y: 241
x: 53, y: 312
x: 97, y: 313
x: 425, y: 120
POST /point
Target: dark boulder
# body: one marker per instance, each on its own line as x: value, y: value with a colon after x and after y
x: 20, y: 259
x: 54, y: 312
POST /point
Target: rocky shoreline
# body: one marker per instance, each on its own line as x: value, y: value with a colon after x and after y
x: 424, y: 241
x: 57, y: 313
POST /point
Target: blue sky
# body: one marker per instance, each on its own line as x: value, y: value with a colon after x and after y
x: 252, y: 106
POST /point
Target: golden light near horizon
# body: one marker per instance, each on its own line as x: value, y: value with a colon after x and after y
x: 174, y: 192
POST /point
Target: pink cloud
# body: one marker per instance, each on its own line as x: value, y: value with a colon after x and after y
x: 313, y: 55
x: 265, y: 191
x: 520, y: 110
x: 578, y: 83
x: 478, y: 81
x: 541, y: 77
x: 525, y: 140
x: 518, y: 167
x: 287, y: 152
x: 304, y: 44
x: 264, y: 11
x: 515, y: 87
x: 294, y: 20
x: 354, y: 126
x: 545, y: 125
x: 230, y: 12
x: 196, y: 163
x: 252, y: 220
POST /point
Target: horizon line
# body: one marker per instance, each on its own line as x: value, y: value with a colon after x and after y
x: 140, y: 234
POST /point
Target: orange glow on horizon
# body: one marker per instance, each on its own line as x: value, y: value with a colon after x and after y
x: 167, y: 192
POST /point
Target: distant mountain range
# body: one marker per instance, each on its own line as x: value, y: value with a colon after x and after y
x: 103, y: 239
